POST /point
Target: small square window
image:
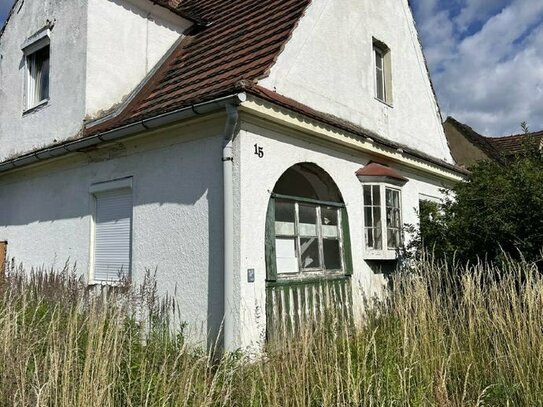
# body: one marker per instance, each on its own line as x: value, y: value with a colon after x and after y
x: 37, y: 82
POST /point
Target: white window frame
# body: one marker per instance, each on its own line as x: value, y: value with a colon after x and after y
x: 385, y: 252
x: 381, y: 50
x: 104, y: 187
x: 297, y: 236
x: 32, y: 45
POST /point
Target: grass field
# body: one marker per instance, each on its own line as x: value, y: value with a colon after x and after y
x: 472, y: 340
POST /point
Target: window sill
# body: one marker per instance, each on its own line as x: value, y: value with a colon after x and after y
x: 384, y: 103
x: 37, y: 107
x: 381, y: 255
x: 310, y: 279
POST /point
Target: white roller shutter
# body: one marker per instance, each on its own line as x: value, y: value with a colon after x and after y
x: 113, y: 231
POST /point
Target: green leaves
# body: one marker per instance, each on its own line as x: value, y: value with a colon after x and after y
x: 499, y: 210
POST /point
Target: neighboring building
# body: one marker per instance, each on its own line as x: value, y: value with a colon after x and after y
x: 468, y: 146
x: 252, y: 151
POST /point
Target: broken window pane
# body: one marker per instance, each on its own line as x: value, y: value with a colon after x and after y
x: 309, y: 252
x: 329, y: 221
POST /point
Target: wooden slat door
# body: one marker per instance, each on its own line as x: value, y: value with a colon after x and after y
x: 293, y: 306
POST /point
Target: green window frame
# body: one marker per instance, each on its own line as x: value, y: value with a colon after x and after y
x: 314, y: 233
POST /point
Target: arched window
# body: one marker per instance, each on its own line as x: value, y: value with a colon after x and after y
x: 307, y: 226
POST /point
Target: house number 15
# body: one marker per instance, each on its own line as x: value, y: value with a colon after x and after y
x: 259, y: 151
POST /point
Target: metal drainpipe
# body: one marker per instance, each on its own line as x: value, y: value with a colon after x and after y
x: 230, y: 317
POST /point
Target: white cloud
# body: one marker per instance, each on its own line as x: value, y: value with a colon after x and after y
x: 491, y: 78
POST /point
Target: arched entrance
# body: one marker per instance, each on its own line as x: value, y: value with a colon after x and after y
x: 308, y: 255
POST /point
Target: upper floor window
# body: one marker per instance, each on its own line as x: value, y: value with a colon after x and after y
x: 37, y: 69
x: 37, y: 77
x: 383, y: 72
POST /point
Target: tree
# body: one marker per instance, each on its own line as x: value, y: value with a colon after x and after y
x: 499, y: 210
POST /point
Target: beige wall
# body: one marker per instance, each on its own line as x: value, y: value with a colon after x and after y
x: 463, y: 151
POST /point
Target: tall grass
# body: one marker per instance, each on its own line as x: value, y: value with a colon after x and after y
x: 464, y: 337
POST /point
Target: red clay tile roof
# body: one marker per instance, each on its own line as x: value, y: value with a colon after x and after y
x: 241, y: 43
x: 499, y: 148
x: 237, y: 48
x: 517, y: 143
x: 175, y: 6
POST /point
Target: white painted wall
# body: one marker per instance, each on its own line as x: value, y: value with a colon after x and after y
x: 126, y: 39
x: 328, y: 65
x: 257, y: 177
x: 62, y: 117
x: 101, y: 50
x: 177, y: 215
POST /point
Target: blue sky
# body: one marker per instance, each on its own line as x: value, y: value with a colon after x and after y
x: 486, y: 60
x: 485, y: 57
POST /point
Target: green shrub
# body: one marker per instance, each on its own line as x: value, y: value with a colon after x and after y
x: 497, y: 212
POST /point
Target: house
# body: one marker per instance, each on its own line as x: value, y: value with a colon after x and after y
x: 252, y: 152
x: 468, y: 146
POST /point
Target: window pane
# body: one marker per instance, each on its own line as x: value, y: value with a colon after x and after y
x: 309, y: 252
x: 284, y: 211
x: 368, y: 218
x: 329, y: 216
x: 332, y: 254
x: 377, y: 238
x: 393, y: 238
x: 367, y: 195
x: 287, y: 260
x: 376, y: 217
x: 376, y: 195
x: 308, y: 220
x: 378, y: 59
x: 38, y: 69
x: 369, y: 237
x: 44, y: 85
x: 284, y: 218
x: 329, y: 221
x: 393, y: 198
x: 380, y: 85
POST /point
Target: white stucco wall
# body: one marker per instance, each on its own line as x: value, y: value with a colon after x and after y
x: 328, y: 65
x: 177, y: 215
x: 126, y: 39
x: 62, y: 116
x: 257, y: 177
x: 101, y: 50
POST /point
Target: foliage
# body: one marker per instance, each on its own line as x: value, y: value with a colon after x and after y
x: 499, y: 210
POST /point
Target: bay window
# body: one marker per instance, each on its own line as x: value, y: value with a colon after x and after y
x: 382, y: 218
x: 382, y: 201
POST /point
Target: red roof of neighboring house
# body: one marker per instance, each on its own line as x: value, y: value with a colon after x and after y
x: 498, y: 148
x: 241, y: 42
x: 517, y: 143
x: 379, y: 170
